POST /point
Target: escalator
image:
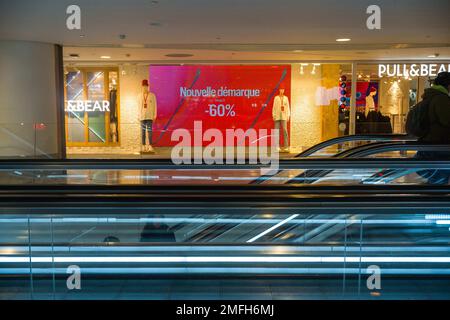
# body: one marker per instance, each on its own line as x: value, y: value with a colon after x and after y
x: 230, y: 242
x: 155, y: 230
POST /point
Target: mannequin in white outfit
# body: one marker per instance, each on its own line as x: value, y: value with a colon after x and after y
x: 281, y: 113
x: 370, y: 103
x: 148, y: 111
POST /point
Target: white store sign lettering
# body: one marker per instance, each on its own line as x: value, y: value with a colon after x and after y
x: 87, y: 106
x: 411, y: 70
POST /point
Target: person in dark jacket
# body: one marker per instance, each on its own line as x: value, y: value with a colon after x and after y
x: 438, y: 100
x: 157, y: 232
x: 439, y: 110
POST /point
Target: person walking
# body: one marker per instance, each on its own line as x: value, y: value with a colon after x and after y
x: 435, y: 125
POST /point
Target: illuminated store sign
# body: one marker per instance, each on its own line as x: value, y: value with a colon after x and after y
x: 87, y: 106
x: 411, y: 70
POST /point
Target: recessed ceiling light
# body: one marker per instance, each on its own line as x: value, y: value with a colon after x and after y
x: 343, y: 39
x: 131, y: 45
x: 179, y: 55
x: 298, y: 51
x: 105, y: 57
x: 433, y: 55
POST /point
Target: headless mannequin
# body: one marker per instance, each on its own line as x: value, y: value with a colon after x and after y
x: 370, y: 103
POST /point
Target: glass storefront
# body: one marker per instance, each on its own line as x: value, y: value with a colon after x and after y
x: 318, y: 104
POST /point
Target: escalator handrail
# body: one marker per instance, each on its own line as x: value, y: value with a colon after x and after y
x: 217, y: 193
x: 350, y: 152
x: 380, y: 147
x: 356, y: 137
x: 398, y: 146
x: 291, y: 163
x: 344, y: 154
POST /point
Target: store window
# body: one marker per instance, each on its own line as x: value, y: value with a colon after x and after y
x: 321, y: 103
x: 92, y: 106
x: 312, y: 94
x: 387, y: 91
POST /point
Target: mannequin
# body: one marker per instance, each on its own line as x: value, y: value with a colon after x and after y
x: 370, y: 103
x: 148, y: 110
x: 113, y: 113
x: 281, y: 113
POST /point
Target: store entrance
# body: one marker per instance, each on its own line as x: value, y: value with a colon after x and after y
x: 97, y: 123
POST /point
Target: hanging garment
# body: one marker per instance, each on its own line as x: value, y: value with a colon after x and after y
x: 361, y: 123
x: 384, y: 125
x: 113, y: 105
x: 372, y: 122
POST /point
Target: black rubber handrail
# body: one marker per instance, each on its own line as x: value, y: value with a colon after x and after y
x: 220, y: 197
x: 371, y: 149
x: 291, y: 163
x: 320, y: 173
x: 350, y: 152
x: 356, y: 137
x: 399, y: 146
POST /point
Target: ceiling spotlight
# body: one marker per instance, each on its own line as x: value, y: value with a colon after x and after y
x: 343, y: 39
x: 105, y: 57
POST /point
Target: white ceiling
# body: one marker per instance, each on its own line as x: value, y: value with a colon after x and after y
x: 146, y: 55
x: 234, y: 29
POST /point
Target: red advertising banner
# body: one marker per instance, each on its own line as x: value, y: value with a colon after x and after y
x: 221, y: 97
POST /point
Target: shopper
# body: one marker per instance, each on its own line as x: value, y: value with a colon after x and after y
x: 157, y: 231
x: 437, y: 102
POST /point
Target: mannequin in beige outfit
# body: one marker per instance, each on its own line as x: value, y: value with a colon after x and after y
x: 281, y: 113
x: 148, y: 111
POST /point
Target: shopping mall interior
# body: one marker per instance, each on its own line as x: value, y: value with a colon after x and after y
x: 107, y: 61
x: 106, y: 106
